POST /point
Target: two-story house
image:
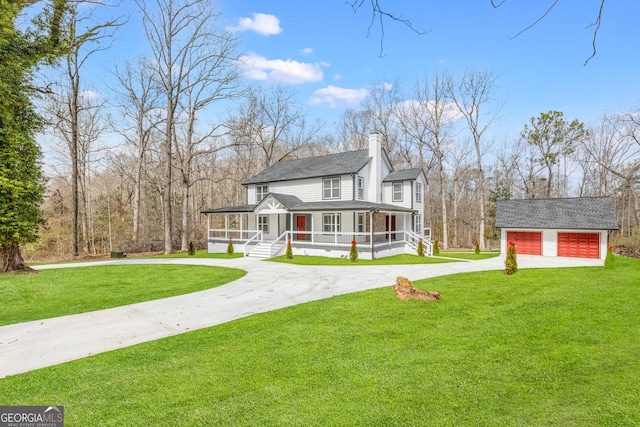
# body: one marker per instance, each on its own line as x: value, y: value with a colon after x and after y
x: 322, y: 204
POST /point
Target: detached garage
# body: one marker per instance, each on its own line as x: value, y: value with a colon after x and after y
x: 569, y: 227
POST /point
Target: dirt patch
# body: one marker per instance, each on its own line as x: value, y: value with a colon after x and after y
x: 405, y: 291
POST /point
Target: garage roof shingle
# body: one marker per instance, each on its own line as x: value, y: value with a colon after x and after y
x: 579, y: 213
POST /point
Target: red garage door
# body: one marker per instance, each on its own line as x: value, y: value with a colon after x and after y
x: 527, y: 242
x: 579, y: 245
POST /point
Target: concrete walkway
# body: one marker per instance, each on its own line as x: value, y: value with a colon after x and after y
x: 267, y: 286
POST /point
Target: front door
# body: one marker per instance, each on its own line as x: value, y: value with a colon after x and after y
x: 301, y: 225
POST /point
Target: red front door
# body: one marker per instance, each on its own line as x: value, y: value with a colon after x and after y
x: 301, y: 225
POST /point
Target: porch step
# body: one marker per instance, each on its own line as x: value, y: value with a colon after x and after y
x: 262, y: 250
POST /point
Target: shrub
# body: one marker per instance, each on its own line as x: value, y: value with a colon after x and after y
x: 610, y: 260
x: 420, y: 248
x: 289, y: 252
x: 436, y: 247
x: 353, y: 253
x: 477, y: 247
x: 511, y: 263
x: 230, y: 246
x: 192, y: 249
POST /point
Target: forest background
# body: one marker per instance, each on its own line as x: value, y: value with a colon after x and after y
x: 133, y: 158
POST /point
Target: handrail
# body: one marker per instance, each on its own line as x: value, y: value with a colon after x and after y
x: 274, y: 242
x: 244, y: 247
x: 428, y: 244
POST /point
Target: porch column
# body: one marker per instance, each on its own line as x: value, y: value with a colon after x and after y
x: 226, y: 225
x: 313, y: 228
x: 371, y: 232
x: 241, y: 218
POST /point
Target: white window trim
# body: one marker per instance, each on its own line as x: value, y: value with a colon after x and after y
x: 261, y: 195
x: 417, y: 224
x: 360, y: 188
x: 264, y: 225
x: 393, y: 191
x: 332, y: 189
x: 418, y: 192
x: 360, y: 223
x: 334, y: 223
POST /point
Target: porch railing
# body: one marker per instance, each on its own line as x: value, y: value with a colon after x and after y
x: 275, y: 242
x: 221, y: 233
x: 254, y: 240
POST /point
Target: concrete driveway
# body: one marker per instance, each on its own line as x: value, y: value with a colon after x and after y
x: 266, y: 286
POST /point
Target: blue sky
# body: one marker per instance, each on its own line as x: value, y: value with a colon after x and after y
x: 321, y: 50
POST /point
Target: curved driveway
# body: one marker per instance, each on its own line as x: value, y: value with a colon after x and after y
x: 266, y: 286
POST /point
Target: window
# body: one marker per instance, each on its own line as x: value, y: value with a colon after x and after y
x: 360, y: 223
x: 418, y: 192
x: 263, y: 223
x: 360, y: 188
x: 417, y: 224
x: 331, y: 188
x: 397, y: 191
x: 331, y: 223
x: 261, y: 191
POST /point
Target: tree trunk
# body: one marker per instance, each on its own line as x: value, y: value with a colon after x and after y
x: 11, y: 259
x: 443, y: 196
x: 185, y: 216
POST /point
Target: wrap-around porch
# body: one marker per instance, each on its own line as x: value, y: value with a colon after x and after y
x: 263, y: 230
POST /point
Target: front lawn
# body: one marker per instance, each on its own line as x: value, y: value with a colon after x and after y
x: 58, y: 292
x: 470, y: 255
x: 544, y: 347
x: 390, y: 260
x: 201, y: 254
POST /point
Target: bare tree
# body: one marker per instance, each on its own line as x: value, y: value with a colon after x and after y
x: 138, y: 103
x: 472, y: 94
x: 273, y: 124
x: 615, y: 148
x: 179, y: 33
x: 73, y: 104
x: 426, y: 121
x: 212, y: 77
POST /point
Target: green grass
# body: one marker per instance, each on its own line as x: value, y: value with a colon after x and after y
x: 544, y: 347
x: 469, y: 255
x: 201, y: 254
x: 390, y: 260
x: 58, y: 292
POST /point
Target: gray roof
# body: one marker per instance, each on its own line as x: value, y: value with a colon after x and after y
x: 344, y: 205
x: 231, y: 209
x: 580, y: 213
x: 287, y: 200
x: 312, y: 167
x: 403, y: 175
x: 293, y: 204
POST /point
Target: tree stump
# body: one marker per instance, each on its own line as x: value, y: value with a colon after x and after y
x: 405, y: 291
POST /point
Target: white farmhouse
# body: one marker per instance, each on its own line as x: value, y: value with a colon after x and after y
x: 322, y: 204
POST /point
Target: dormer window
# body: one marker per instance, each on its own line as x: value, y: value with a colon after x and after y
x: 261, y: 191
x: 331, y: 188
x: 397, y: 191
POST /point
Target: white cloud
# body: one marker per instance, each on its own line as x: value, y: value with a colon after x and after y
x: 258, y: 67
x: 336, y: 96
x: 261, y: 23
x: 307, y: 51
